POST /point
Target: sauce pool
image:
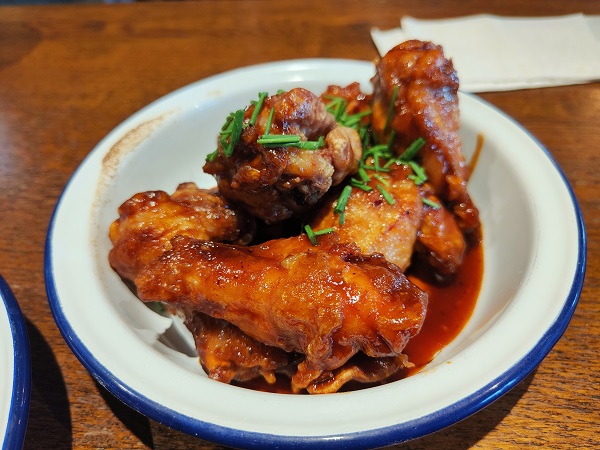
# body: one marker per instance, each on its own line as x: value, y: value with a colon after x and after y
x: 450, y: 306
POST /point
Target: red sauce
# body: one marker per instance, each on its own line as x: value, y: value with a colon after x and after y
x: 450, y: 306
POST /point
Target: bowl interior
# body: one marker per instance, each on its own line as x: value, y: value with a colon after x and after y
x: 170, y: 149
x: 529, y: 272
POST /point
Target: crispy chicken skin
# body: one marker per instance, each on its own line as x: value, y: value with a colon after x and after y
x: 327, y: 302
x: 359, y: 369
x: 374, y: 224
x: 425, y: 105
x: 275, y: 184
x: 148, y: 220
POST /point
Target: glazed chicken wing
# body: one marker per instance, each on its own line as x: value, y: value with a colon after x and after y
x: 275, y: 181
x: 148, y: 220
x: 416, y: 95
x: 376, y: 225
x: 147, y: 223
x: 327, y: 302
x: 399, y: 227
x: 440, y: 239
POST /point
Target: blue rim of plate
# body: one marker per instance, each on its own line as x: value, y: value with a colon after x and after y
x: 19, y: 402
x: 378, y: 437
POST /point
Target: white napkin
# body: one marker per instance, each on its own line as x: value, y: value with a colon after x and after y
x: 492, y: 53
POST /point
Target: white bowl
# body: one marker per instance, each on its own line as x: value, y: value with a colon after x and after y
x: 15, y: 371
x: 534, y: 247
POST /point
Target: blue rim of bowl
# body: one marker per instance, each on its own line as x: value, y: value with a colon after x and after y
x: 19, y: 402
x: 378, y: 437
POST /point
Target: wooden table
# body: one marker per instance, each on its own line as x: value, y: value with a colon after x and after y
x: 69, y: 74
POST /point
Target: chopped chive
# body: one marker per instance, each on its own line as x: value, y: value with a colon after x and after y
x: 278, y: 139
x: 269, y: 120
x: 236, y: 131
x: 289, y: 140
x: 324, y: 231
x: 381, y: 179
x: 419, y: 171
x: 353, y: 120
x: 390, y: 162
x: 340, y: 205
x: 363, y: 175
x: 381, y: 169
x: 337, y: 107
x: 415, y: 179
x: 257, y: 107
x: 311, y: 145
x: 212, y: 156
x: 227, y: 123
x: 431, y: 203
x: 391, y: 109
x: 412, y: 149
x: 312, y: 235
x: 360, y: 185
x: 385, y: 194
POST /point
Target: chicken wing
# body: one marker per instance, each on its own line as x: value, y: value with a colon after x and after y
x: 148, y: 220
x: 375, y: 224
x: 275, y: 181
x: 327, y: 302
x: 440, y: 239
x: 415, y: 95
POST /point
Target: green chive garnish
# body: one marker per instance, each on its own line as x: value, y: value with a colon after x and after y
x: 360, y: 185
x: 419, y: 172
x: 212, y: 156
x: 236, y: 131
x: 269, y: 120
x: 381, y: 179
x: 257, y: 107
x: 431, y: 203
x: 412, y: 149
x: 385, y: 194
x: 340, y: 205
x: 391, y: 109
x: 312, y: 235
x: 363, y: 175
x: 289, y: 140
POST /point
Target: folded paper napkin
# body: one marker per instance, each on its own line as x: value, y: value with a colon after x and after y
x: 492, y: 53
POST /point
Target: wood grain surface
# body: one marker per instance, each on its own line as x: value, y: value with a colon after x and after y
x: 71, y: 73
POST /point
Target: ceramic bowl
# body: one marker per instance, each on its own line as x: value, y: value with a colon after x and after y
x: 15, y: 371
x: 534, y: 249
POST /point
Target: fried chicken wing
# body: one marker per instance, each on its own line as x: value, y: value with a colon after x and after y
x: 327, y: 302
x: 423, y: 86
x: 375, y: 224
x: 277, y: 181
x: 440, y: 239
x: 148, y: 220
x: 228, y: 354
